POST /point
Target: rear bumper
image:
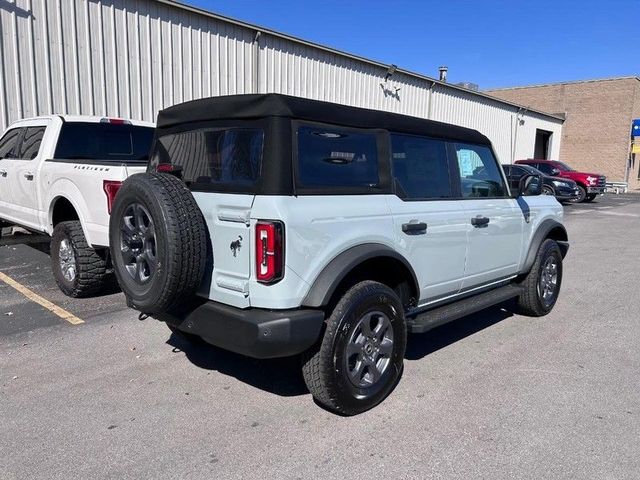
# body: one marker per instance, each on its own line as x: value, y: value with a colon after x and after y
x: 255, y: 332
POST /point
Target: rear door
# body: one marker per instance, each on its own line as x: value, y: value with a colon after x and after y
x: 494, y: 220
x: 221, y: 166
x: 430, y: 226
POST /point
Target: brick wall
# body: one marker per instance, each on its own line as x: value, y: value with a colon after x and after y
x: 595, y: 135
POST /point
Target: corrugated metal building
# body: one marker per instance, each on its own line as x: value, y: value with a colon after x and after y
x: 131, y: 58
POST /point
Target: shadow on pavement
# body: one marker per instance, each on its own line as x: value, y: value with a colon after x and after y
x: 280, y: 376
x: 283, y: 376
x: 420, y: 345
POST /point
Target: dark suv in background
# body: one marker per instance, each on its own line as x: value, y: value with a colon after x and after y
x: 564, y: 189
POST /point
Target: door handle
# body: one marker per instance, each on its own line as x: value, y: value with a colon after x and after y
x: 28, y: 176
x: 414, y: 228
x: 3, y: 173
x: 480, y: 221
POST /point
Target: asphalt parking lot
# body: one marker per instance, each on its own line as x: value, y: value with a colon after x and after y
x: 493, y: 395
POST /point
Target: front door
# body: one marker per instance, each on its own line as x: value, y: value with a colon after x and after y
x: 23, y: 175
x: 430, y: 226
x: 494, y: 220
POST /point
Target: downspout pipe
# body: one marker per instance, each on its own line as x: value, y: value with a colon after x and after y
x: 256, y: 61
x: 430, y: 99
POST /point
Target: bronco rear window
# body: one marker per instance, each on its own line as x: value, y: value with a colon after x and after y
x: 209, y: 157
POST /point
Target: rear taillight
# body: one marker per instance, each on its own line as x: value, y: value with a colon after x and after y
x: 269, y: 251
x: 164, y: 168
x: 175, y: 170
x: 111, y: 188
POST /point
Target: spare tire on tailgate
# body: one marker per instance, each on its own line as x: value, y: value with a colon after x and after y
x: 158, y: 242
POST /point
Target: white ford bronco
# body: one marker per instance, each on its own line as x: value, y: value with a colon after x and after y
x: 274, y: 226
x: 59, y: 175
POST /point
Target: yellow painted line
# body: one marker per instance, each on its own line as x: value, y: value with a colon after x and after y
x: 34, y: 297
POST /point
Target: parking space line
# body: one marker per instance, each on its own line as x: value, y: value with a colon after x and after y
x: 34, y: 297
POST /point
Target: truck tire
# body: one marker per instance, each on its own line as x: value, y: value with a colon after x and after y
x: 77, y: 268
x: 360, y: 358
x: 582, y: 195
x: 542, y: 283
x: 591, y: 197
x: 158, y: 242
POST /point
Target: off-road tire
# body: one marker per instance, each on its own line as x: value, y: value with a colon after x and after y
x: 90, y: 268
x: 324, y: 366
x: 530, y: 302
x: 180, y: 242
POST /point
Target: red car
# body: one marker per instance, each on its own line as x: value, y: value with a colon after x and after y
x: 590, y: 185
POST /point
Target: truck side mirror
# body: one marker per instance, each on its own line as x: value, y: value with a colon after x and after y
x: 555, y: 172
x: 530, y: 185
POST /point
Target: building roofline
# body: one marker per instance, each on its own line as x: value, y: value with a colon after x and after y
x: 268, y: 31
x: 570, y: 82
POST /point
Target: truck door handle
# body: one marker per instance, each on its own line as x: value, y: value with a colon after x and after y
x: 28, y: 176
x: 3, y: 173
x: 414, y: 228
x: 480, y: 221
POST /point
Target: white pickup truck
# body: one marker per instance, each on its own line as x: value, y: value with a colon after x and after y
x: 59, y: 175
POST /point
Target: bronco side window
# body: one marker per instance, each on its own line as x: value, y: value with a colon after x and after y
x: 479, y: 172
x: 420, y: 167
x: 332, y: 156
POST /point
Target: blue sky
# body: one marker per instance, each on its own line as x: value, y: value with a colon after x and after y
x: 494, y: 43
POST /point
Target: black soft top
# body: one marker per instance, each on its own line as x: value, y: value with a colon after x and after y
x: 255, y: 106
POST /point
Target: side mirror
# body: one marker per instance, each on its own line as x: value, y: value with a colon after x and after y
x: 530, y: 185
x: 555, y: 172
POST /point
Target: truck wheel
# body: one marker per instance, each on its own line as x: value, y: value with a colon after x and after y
x: 360, y: 358
x: 158, y: 242
x: 542, y: 283
x: 582, y: 195
x: 591, y: 197
x: 77, y: 268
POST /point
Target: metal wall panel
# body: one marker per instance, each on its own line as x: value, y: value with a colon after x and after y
x: 131, y: 58
x: 294, y: 69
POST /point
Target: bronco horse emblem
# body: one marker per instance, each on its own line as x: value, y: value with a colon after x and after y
x: 236, y: 245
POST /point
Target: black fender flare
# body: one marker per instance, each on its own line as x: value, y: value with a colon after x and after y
x: 547, y: 229
x: 337, y: 269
